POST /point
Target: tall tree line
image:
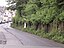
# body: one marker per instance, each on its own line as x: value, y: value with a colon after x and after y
x: 47, y: 15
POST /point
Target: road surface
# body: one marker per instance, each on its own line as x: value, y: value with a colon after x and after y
x: 19, y: 39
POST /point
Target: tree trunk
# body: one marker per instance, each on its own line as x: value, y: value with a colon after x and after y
x: 55, y: 26
x: 46, y: 28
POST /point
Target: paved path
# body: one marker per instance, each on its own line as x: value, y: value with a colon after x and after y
x: 11, y: 40
x: 19, y: 39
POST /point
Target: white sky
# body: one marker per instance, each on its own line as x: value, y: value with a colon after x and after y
x: 3, y: 3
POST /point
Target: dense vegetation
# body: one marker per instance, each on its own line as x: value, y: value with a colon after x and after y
x: 43, y: 17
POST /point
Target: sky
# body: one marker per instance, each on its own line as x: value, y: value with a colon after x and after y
x: 3, y: 3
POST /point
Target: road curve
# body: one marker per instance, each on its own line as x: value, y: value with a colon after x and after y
x: 25, y: 39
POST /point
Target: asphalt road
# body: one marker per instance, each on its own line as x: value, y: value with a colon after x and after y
x: 19, y: 39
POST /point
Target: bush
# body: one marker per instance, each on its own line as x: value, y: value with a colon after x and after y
x: 58, y: 39
x: 56, y: 36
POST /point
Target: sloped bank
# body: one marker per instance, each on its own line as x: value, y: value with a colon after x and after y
x: 56, y: 36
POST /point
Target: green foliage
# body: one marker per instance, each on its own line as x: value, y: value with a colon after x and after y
x: 45, y: 14
x: 56, y: 36
x: 61, y: 16
x: 41, y: 13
